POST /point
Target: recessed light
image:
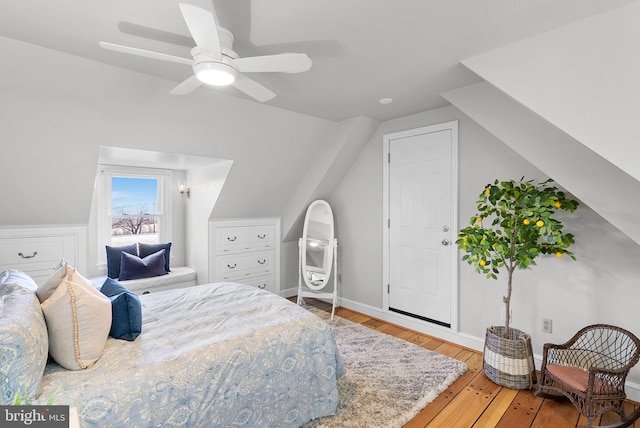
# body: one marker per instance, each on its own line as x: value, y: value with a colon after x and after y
x: 385, y: 100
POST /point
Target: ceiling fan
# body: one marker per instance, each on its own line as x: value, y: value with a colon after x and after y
x: 215, y: 63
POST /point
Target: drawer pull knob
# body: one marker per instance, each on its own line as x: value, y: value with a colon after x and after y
x: 232, y: 267
x: 35, y: 253
x: 263, y: 261
x: 230, y: 239
x: 264, y: 235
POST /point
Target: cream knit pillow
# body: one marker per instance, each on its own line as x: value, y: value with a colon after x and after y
x: 51, y: 284
x: 78, y: 320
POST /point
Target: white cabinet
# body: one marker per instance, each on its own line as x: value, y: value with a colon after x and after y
x: 38, y: 251
x: 246, y: 251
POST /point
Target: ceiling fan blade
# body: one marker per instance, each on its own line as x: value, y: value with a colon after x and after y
x: 186, y: 87
x: 203, y: 26
x: 253, y: 89
x: 285, y: 63
x: 145, y: 53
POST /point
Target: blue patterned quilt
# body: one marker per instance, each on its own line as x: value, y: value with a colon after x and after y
x: 215, y: 355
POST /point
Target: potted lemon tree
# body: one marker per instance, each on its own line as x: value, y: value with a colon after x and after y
x: 514, y: 225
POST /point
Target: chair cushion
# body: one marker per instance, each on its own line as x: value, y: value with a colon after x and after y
x: 575, y: 377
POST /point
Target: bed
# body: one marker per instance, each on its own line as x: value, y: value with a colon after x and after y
x: 221, y: 354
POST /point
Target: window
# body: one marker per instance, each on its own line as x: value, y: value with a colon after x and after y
x: 135, y: 215
x: 133, y: 206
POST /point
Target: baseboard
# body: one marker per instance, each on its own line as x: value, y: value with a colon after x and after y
x: 434, y: 330
x: 633, y: 391
x: 440, y: 332
x: 289, y: 292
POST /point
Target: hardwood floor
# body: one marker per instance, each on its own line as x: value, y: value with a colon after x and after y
x: 473, y: 400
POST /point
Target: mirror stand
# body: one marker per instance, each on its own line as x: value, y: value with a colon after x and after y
x: 302, y: 293
x: 318, y: 250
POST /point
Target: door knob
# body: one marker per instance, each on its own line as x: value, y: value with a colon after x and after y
x: 445, y: 242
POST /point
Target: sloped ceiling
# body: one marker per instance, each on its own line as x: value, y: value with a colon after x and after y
x: 326, y: 170
x: 583, y: 78
x: 571, y: 164
x: 568, y: 101
x: 53, y: 128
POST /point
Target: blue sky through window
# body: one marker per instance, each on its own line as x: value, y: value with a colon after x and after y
x: 134, y: 195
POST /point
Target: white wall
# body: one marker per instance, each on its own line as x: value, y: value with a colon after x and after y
x: 601, y: 286
x: 206, y: 183
x: 52, y: 129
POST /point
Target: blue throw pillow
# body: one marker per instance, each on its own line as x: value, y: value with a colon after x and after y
x: 148, y: 249
x: 133, y: 267
x: 126, y: 310
x: 114, y: 257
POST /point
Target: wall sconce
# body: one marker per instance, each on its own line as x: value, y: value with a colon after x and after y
x: 185, y: 190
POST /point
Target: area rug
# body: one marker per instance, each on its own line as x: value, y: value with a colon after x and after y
x: 388, y: 380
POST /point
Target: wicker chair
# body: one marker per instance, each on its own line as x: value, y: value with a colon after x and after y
x: 590, y: 369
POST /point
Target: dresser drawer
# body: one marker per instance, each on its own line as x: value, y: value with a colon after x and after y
x: 37, y: 256
x: 235, y: 266
x: 264, y: 282
x: 236, y: 238
x: 245, y: 250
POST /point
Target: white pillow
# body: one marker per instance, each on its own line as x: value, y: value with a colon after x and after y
x: 46, y: 290
x: 78, y: 320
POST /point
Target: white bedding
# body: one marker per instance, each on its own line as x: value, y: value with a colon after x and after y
x: 211, y: 355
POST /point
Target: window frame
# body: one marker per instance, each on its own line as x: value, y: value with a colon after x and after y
x: 163, y: 214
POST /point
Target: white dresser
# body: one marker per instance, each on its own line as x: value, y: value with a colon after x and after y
x: 38, y: 251
x: 246, y: 251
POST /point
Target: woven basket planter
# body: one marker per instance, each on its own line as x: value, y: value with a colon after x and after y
x: 509, y: 362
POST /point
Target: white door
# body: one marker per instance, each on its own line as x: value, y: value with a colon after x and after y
x: 421, y: 222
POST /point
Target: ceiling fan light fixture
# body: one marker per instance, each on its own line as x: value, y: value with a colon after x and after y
x: 215, y: 73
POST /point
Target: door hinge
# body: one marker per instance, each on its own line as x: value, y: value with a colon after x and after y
x: 389, y: 157
x: 388, y: 223
x: 388, y: 288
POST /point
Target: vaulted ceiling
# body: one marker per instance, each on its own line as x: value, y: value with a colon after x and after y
x: 362, y: 50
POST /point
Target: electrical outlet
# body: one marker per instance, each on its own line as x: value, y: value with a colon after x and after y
x: 547, y: 325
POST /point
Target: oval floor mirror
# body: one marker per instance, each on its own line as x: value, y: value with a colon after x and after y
x: 318, y: 254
